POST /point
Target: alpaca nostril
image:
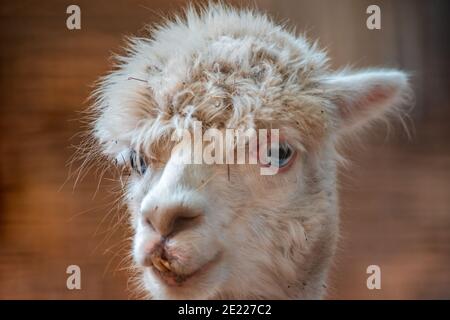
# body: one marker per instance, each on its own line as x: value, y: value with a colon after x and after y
x: 147, y: 219
x: 170, y: 220
x: 184, y: 223
x: 148, y: 222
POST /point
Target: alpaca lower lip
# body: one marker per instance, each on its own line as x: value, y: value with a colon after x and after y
x: 172, y: 278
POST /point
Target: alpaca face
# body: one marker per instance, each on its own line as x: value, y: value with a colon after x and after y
x: 226, y: 231
x: 207, y: 231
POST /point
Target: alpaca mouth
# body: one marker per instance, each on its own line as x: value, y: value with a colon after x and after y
x: 162, y: 268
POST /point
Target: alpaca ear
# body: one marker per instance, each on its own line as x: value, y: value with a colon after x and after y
x: 366, y: 95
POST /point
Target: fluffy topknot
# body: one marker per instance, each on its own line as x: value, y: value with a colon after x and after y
x: 225, y: 67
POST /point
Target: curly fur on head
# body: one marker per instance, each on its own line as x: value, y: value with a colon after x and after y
x: 256, y: 237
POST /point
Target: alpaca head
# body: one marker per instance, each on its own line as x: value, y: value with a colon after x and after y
x: 226, y: 231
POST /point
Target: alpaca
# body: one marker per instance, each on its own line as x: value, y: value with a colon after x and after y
x: 216, y: 231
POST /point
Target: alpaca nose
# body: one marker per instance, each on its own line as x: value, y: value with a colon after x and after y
x: 170, y: 220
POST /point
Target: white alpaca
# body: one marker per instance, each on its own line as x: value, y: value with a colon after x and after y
x: 218, y: 231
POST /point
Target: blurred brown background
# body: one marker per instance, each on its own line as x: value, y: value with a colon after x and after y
x: 395, y: 197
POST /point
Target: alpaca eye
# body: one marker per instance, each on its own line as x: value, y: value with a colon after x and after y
x: 285, y: 155
x: 137, y: 163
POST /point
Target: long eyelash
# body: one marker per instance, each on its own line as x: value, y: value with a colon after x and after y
x: 133, y: 159
x: 138, y: 166
x: 143, y: 165
x: 287, y: 150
